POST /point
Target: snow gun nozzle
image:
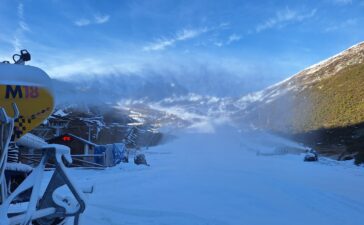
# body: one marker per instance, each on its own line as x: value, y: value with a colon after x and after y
x: 22, y: 58
x: 25, y: 55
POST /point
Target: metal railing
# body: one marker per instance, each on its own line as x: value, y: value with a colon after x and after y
x: 78, y: 160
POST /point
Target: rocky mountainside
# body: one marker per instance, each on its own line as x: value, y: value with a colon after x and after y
x: 322, y: 104
x: 325, y: 95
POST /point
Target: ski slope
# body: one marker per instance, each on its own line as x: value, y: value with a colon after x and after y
x: 217, y: 178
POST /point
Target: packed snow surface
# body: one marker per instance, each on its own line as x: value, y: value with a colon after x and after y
x: 221, y: 178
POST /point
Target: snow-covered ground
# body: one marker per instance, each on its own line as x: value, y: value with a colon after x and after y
x: 218, y: 178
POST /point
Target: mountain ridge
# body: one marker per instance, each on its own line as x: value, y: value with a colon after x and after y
x: 298, y: 90
x: 321, y: 106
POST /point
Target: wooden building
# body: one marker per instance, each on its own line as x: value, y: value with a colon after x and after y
x: 82, y: 150
x: 78, y: 145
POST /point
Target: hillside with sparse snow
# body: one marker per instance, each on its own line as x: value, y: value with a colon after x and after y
x: 321, y: 106
x: 325, y: 95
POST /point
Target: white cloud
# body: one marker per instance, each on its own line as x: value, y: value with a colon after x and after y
x: 182, y: 35
x: 283, y: 17
x: 342, y: 25
x: 82, y: 22
x: 69, y: 63
x: 17, y: 45
x: 185, y: 34
x: 97, y: 19
x: 342, y: 2
x: 219, y: 44
x: 101, y: 19
x: 159, y: 45
x: 21, y: 11
x: 18, y: 36
x: 233, y: 38
x: 22, y: 24
x: 188, y: 34
x: 89, y: 66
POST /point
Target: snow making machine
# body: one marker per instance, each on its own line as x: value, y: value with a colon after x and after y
x: 26, y: 100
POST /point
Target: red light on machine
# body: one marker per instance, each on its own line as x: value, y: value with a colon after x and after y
x: 66, y: 138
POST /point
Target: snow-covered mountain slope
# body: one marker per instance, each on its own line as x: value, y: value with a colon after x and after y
x: 325, y: 96
x: 217, y: 178
x: 315, y: 73
x: 321, y: 96
x: 187, y: 111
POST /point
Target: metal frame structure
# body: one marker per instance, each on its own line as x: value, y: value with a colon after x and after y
x: 40, y: 207
x: 48, y: 209
x: 6, y: 130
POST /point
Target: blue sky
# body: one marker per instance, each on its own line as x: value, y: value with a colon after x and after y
x: 267, y: 39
